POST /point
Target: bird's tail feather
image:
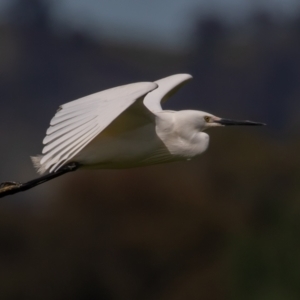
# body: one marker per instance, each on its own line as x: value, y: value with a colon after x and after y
x: 36, y: 160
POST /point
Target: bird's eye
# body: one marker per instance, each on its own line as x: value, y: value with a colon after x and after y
x: 207, y: 119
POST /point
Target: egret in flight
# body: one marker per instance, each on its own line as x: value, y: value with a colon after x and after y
x: 123, y: 127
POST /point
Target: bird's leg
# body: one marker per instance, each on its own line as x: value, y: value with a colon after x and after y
x: 11, y: 187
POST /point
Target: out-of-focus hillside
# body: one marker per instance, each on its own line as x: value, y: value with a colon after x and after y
x: 224, y: 226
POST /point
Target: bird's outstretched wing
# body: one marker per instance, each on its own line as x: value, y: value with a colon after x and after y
x: 78, y: 122
x: 166, y: 88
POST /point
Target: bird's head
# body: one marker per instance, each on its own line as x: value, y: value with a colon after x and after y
x: 201, y: 120
x: 207, y: 121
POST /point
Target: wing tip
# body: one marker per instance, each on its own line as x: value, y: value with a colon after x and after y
x: 185, y: 76
x: 152, y: 86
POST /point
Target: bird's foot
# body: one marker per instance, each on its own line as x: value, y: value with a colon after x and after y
x: 9, y: 185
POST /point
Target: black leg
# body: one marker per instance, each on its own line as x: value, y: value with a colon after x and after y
x: 10, y: 187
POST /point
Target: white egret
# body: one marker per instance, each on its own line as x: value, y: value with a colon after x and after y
x: 123, y: 127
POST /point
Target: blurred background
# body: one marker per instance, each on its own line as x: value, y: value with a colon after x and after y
x: 223, y: 226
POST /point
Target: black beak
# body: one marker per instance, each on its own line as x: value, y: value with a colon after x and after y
x: 227, y: 122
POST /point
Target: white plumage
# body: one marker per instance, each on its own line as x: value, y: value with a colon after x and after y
x: 126, y: 127
x: 78, y: 122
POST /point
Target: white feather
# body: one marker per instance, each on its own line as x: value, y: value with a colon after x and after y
x: 36, y: 160
x: 125, y: 127
x: 78, y: 122
x: 166, y: 88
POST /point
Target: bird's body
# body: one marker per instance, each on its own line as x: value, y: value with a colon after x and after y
x: 125, y: 127
x: 157, y: 141
x: 122, y: 127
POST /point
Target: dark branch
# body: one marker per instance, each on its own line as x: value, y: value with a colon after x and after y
x: 9, y: 187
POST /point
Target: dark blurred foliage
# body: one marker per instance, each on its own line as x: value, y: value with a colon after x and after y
x: 224, y: 226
